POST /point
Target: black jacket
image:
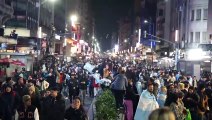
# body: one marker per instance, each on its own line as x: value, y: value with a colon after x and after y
x: 73, y: 114
x: 130, y: 93
x: 8, y: 104
x: 27, y: 114
x: 53, y: 108
x: 191, y: 101
x: 20, y: 89
x: 82, y: 82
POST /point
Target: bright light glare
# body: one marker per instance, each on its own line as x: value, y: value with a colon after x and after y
x: 207, y: 61
x: 176, y: 35
x: 195, y: 54
x: 145, y: 21
x: 73, y: 19
x: 116, y: 48
x: 52, y: 0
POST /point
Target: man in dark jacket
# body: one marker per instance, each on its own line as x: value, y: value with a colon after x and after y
x: 191, y: 100
x: 8, y: 103
x: 20, y: 87
x: 82, y: 86
x: 73, y: 87
x: 54, y: 106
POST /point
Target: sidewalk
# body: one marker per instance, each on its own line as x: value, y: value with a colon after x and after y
x: 88, y: 102
x: 92, y: 110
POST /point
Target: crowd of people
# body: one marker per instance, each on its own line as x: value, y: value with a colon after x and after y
x: 186, y: 97
x: 143, y: 94
x: 43, y: 95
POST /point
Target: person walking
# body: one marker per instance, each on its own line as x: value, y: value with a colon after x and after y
x: 119, y: 87
x: 53, y: 106
x: 82, y: 86
x: 8, y: 103
x: 76, y: 111
x: 73, y: 87
x: 26, y: 111
x: 147, y: 103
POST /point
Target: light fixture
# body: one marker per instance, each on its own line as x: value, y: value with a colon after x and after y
x: 145, y: 21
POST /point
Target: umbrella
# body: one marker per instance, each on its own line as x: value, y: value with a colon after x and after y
x: 18, y: 62
x: 6, y: 60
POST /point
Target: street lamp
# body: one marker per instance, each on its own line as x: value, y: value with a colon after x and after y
x: 145, y: 21
x: 73, y: 19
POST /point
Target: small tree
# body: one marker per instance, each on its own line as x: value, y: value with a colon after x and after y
x: 105, y: 106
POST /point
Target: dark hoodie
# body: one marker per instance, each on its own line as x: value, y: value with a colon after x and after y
x: 8, y: 103
x: 53, y: 108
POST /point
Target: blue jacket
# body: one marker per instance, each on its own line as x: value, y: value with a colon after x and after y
x: 120, y: 82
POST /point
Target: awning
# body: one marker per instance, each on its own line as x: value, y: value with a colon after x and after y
x: 8, y: 40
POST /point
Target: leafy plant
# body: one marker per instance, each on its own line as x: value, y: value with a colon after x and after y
x: 105, y: 106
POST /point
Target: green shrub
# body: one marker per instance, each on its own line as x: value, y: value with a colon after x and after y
x: 105, y: 106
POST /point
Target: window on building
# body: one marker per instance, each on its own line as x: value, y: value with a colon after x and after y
x: 205, y: 14
x: 191, y: 37
x: 198, y: 14
x: 197, y: 37
x: 192, y: 15
x: 204, y: 37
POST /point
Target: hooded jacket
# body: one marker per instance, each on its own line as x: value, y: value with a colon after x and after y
x: 54, y: 108
x: 8, y: 103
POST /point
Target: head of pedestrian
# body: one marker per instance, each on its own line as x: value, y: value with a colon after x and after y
x: 150, y: 87
x: 180, y: 95
x: 8, y: 88
x: 9, y: 80
x: 201, y: 88
x: 54, y: 92
x: 162, y: 114
x: 73, y: 75
x: 26, y: 100
x: 31, y: 90
x: 21, y: 80
x: 47, y: 93
x: 209, y: 85
x: 163, y: 90
x: 77, y: 103
x: 171, y: 87
x: 181, y: 86
x: 191, y: 90
x: 130, y: 82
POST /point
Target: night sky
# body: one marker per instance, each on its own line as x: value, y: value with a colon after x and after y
x: 106, y: 14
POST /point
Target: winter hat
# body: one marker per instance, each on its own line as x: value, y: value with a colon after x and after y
x: 8, y: 85
x: 26, y: 98
x: 8, y: 79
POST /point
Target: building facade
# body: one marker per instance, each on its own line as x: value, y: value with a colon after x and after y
x: 197, y: 23
x: 6, y: 11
